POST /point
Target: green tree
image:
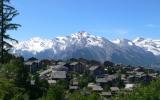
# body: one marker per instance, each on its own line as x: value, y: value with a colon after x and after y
x: 7, y: 13
x: 37, y: 89
x: 149, y: 92
x: 77, y: 96
x: 85, y: 79
x: 55, y: 92
x: 64, y: 83
x: 13, y: 80
x: 118, y: 82
x: 21, y: 96
x: 8, y: 90
x: 94, y: 96
x: 14, y: 70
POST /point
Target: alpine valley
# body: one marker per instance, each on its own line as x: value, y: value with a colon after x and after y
x: 84, y: 45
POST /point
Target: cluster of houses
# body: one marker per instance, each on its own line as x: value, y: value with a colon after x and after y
x: 106, y: 76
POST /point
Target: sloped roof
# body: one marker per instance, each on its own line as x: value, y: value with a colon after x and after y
x: 101, y: 80
x: 97, y: 88
x: 74, y: 63
x: 92, y: 68
x: 58, y: 74
x: 114, y: 89
x: 106, y: 93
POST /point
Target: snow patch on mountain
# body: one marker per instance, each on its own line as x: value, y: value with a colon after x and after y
x: 34, y: 45
x: 149, y: 45
x: 123, y: 42
x: 84, y: 45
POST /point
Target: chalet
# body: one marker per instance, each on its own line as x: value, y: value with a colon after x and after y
x: 129, y: 87
x: 59, y: 68
x: 146, y: 79
x: 32, y: 65
x: 123, y: 77
x: 135, y: 78
x: 74, y: 84
x: 90, y: 85
x: 61, y: 63
x: 128, y: 68
x: 32, y: 82
x: 95, y: 70
x: 150, y: 70
x: 52, y: 81
x: 112, y: 77
x: 101, y: 80
x: 114, y: 90
x: 77, y: 67
x: 106, y: 94
x: 131, y: 79
x: 130, y: 72
x: 97, y: 88
x: 138, y: 69
x: 73, y: 87
x: 139, y: 74
x: 45, y: 73
x: 54, y: 72
x: 153, y: 75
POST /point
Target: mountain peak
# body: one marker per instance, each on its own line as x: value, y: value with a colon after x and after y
x: 36, y: 38
x: 81, y: 34
x: 124, y: 42
x: 84, y: 45
x: 138, y: 39
x: 149, y: 45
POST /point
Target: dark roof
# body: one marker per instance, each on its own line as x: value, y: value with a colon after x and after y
x: 32, y: 59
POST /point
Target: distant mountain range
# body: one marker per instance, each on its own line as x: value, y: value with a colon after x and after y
x: 84, y: 45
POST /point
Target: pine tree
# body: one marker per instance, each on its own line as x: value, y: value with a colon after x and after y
x: 7, y: 13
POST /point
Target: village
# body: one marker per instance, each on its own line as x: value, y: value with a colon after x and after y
x: 106, y: 79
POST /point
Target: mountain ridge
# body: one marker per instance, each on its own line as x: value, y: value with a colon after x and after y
x: 84, y: 45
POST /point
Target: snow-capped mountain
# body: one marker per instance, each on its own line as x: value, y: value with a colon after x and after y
x: 134, y: 53
x: 85, y: 45
x: 149, y: 45
x: 34, y: 45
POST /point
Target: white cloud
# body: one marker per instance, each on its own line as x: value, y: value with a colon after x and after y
x: 152, y: 26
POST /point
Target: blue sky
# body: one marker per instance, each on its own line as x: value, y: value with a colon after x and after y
x: 108, y: 18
